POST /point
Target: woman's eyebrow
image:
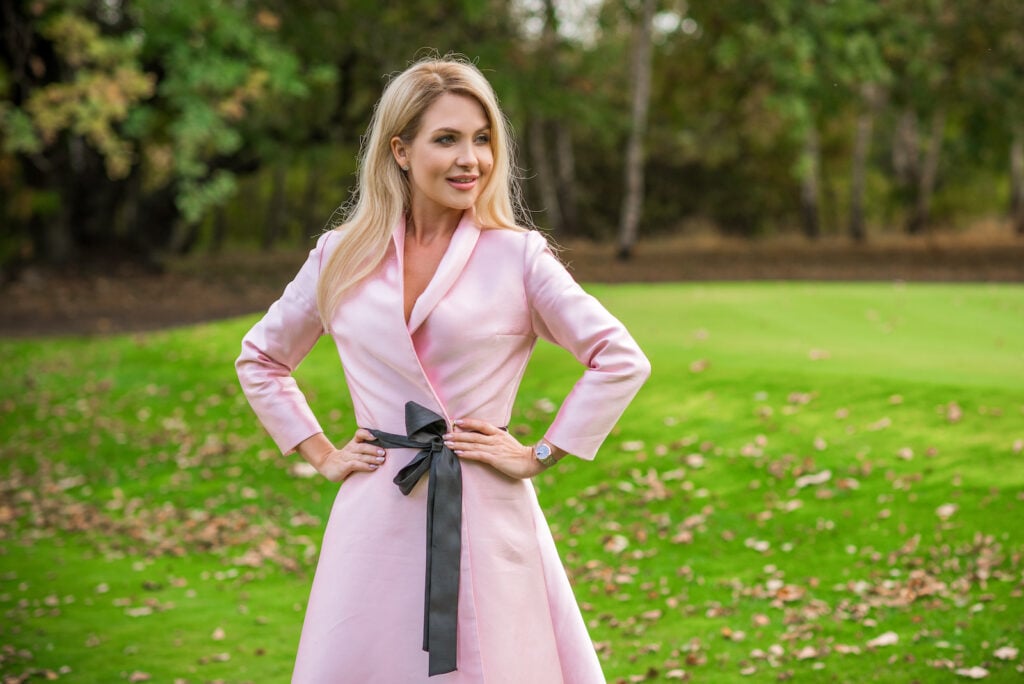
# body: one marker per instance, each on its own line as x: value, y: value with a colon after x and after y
x: 455, y: 130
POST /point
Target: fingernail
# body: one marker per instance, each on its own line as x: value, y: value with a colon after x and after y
x: 458, y: 421
x: 447, y: 436
x: 380, y: 459
x: 380, y: 452
x: 448, y: 443
x: 373, y: 466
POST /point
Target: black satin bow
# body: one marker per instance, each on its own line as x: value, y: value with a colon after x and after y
x: 444, y: 526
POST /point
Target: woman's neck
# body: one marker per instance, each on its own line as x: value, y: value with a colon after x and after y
x: 426, y: 226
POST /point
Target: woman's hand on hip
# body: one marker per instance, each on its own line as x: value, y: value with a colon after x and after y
x: 337, y: 464
x: 478, y: 440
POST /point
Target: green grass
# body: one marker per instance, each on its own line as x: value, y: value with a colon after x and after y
x: 148, y: 525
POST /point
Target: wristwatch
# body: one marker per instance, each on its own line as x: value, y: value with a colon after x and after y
x: 542, y: 452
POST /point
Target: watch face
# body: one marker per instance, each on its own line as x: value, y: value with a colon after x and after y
x: 542, y: 451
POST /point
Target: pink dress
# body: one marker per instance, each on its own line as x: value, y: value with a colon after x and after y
x: 462, y: 354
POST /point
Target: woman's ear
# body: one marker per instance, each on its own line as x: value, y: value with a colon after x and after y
x: 399, y: 151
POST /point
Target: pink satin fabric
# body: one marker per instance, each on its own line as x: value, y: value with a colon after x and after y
x: 462, y: 354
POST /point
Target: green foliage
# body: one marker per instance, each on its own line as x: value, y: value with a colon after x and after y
x: 148, y: 100
x: 809, y: 468
x: 106, y: 84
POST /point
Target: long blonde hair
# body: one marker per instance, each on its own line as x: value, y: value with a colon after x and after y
x: 382, y: 195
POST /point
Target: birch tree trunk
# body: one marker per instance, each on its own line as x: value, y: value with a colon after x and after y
x: 538, y: 125
x: 906, y: 160
x: 566, y: 178
x: 1017, y: 180
x: 809, y: 184
x: 640, y: 69
x: 545, y: 179
x: 929, y: 171
x: 858, y: 171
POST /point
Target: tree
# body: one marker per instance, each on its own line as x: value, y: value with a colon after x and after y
x: 640, y: 77
x: 135, y: 118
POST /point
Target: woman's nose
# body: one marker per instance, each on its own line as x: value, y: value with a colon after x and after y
x: 467, y: 156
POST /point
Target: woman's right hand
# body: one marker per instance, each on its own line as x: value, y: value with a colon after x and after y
x: 337, y: 464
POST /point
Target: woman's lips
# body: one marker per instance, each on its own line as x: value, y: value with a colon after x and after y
x: 462, y: 182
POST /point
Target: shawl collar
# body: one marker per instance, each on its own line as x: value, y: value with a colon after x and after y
x: 448, y: 270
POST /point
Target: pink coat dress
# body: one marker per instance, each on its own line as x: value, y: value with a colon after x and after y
x: 462, y: 354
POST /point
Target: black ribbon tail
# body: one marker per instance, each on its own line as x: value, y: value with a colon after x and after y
x: 444, y: 528
x: 445, y: 550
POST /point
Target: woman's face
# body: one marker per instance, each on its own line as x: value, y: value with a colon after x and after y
x: 450, y: 159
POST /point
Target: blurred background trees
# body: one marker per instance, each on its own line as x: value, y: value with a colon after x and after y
x: 146, y: 127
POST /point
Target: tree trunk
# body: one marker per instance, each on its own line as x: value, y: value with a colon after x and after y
x: 809, y: 184
x: 906, y: 159
x: 310, y: 200
x: 858, y: 171
x: 57, y: 245
x: 545, y: 179
x: 220, y: 229
x: 640, y: 71
x: 274, y: 226
x: 566, y: 179
x: 1017, y: 180
x: 183, y: 237
x: 929, y: 170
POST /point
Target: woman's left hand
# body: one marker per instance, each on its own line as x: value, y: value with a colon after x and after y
x: 478, y: 440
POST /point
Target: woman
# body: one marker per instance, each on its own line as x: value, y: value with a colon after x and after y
x: 435, y: 297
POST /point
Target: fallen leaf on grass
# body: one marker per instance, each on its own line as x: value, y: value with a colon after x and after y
x: 302, y: 469
x: 880, y: 424
x: 1006, y: 653
x: 885, y: 639
x: 946, y: 511
x: 806, y: 653
x: 813, y: 479
x: 545, y: 405
x: 973, y: 672
x: 616, y: 544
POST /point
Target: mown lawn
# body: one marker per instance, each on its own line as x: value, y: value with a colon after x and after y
x: 820, y: 482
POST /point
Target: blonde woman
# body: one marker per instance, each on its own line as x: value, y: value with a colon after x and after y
x: 436, y: 560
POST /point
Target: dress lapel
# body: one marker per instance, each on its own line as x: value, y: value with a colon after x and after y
x: 452, y: 263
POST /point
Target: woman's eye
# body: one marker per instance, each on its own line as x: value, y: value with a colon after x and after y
x: 483, y: 139
x: 446, y: 139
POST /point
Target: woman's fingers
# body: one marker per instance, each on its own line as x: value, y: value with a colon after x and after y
x: 474, y: 425
x: 363, y: 435
x: 468, y: 438
x: 472, y: 455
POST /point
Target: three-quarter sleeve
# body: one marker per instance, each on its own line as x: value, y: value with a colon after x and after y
x: 564, y: 314
x: 274, y: 348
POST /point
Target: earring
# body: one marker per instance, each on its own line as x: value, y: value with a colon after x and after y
x: 405, y: 168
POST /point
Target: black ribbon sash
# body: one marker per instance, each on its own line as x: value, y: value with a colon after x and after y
x: 444, y: 526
